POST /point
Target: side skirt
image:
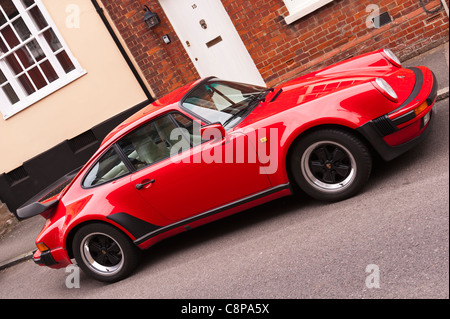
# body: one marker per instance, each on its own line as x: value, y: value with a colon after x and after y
x: 213, y: 212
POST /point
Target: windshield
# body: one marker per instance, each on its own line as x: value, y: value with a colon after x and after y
x: 223, y: 102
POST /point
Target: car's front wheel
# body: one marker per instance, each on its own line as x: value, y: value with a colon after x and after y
x: 104, y: 252
x: 330, y: 164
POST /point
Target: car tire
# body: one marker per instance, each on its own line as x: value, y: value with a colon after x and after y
x: 331, y: 164
x: 104, y: 252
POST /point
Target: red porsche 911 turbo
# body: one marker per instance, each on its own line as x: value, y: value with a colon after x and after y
x: 214, y: 148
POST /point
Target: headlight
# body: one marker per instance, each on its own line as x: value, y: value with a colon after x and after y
x: 386, y: 89
x: 392, y: 57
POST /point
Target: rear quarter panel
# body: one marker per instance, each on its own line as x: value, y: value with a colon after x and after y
x: 79, y: 206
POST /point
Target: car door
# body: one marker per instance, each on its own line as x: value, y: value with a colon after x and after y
x: 180, y: 177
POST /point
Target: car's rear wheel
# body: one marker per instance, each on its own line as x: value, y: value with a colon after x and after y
x: 104, y: 252
x: 331, y: 164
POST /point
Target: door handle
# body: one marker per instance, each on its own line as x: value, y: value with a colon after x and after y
x: 141, y: 186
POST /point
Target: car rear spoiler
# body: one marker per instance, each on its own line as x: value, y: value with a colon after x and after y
x: 35, y: 209
x: 44, y: 202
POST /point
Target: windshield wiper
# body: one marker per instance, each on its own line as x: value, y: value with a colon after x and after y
x: 253, y: 101
x: 238, y: 114
x: 261, y: 97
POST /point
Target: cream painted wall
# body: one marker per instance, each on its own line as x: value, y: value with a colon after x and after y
x: 107, y: 89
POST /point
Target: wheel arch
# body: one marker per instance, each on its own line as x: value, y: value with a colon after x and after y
x: 311, y: 130
x: 70, y: 236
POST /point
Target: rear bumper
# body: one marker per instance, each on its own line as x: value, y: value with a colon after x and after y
x: 55, y: 258
x: 402, y: 129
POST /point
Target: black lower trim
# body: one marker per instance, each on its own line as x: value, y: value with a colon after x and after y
x: 137, y: 227
x: 404, y: 118
x: 384, y: 125
x: 433, y: 95
x: 46, y: 259
x: 212, y: 212
x: 387, y: 152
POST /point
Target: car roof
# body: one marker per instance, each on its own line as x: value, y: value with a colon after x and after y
x: 168, y: 102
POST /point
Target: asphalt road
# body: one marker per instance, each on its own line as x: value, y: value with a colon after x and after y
x: 297, y: 247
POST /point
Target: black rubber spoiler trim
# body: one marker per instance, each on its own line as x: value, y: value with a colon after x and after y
x: 35, y: 209
x: 417, y: 87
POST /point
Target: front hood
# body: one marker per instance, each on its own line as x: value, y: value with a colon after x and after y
x: 352, y: 72
x: 314, y: 86
x: 324, y: 93
x: 310, y: 88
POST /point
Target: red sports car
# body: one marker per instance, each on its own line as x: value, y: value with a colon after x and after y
x: 214, y: 148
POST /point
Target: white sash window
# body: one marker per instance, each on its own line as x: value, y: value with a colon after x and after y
x: 34, y: 60
x: 300, y: 8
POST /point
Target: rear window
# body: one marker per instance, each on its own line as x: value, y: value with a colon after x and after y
x: 109, y: 167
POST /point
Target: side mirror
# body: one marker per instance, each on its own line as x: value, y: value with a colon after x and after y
x: 214, y: 131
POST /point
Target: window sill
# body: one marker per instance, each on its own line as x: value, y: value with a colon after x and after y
x: 41, y: 94
x: 307, y: 8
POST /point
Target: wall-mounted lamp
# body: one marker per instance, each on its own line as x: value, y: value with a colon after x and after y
x: 151, y: 19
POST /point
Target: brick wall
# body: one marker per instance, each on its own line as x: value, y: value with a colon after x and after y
x: 165, y: 67
x: 281, y: 51
x: 333, y: 33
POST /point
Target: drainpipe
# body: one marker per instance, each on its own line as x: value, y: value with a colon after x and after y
x: 445, y: 6
x: 122, y: 51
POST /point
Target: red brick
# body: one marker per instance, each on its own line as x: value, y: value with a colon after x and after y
x: 280, y: 51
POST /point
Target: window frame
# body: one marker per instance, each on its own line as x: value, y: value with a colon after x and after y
x: 6, y: 108
x: 174, y: 122
x: 124, y: 158
x: 203, y: 120
x: 300, y: 8
x: 119, y: 153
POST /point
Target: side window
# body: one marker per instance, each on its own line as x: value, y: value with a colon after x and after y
x: 190, y: 127
x: 108, y: 168
x: 155, y: 141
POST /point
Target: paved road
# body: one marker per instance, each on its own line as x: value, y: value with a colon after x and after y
x: 298, y: 248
